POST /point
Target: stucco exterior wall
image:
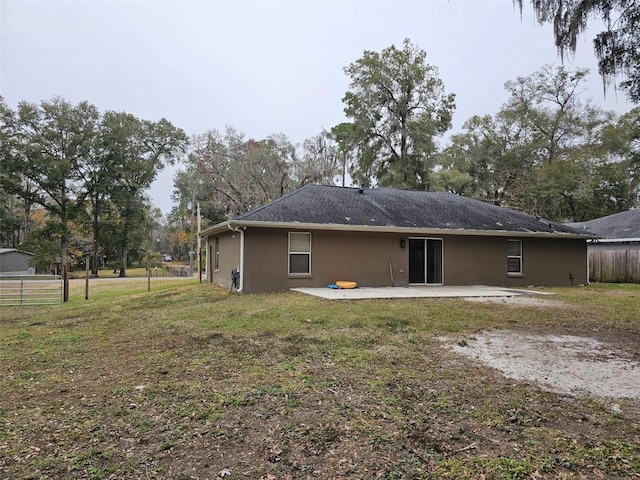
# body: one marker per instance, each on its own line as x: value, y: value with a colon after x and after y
x: 545, y: 261
x: 228, y: 259
x: 365, y: 259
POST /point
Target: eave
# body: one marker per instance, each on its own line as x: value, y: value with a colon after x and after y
x: 235, y: 225
x: 616, y: 240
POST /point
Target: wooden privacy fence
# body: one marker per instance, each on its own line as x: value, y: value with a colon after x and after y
x: 614, y: 266
x: 30, y: 290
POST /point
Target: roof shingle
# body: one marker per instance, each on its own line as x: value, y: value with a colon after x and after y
x: 619, y: 225
x: 388, y: 207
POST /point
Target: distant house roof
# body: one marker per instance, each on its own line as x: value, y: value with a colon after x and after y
x: 623, y: 225
x: 9, y: 250
x: 388, y: 209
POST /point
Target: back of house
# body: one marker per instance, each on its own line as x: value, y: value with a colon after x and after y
x: 319, y: 234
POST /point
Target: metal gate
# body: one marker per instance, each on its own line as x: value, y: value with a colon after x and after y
x: 30, y: 290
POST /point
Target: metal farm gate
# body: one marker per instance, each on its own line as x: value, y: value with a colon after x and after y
x: 30, y: 290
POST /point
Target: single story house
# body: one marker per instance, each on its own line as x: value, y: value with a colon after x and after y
x: 14, y: 261
x: 615, y: 257
x: 318, y: 235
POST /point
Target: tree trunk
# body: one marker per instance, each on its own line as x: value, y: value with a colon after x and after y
x: 25, y: 221
x: 124, y: 254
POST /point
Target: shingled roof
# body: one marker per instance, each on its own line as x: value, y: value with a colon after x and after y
x: 617, y: 226
x: 388, y: 209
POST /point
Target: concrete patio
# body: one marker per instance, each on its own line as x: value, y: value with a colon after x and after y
x: 415, y: 292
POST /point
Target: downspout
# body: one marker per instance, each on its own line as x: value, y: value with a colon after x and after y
x: 241, y: 266
x: 588, y: 262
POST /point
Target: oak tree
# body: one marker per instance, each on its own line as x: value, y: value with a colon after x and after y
x: 398, y: 107
x: 617, y: 46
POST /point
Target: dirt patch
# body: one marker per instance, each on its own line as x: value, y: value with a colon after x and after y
x: 564, y: 364
x: 522, y: 301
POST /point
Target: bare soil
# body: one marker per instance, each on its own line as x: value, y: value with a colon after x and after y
x: 568, y: 364
x: 603, y: 365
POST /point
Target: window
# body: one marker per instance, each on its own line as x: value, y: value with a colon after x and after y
x: 217, y: 254
x: 299, y: 253
x: 514, y: 257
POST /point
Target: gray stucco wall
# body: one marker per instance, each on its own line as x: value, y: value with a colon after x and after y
x: 366, y: 259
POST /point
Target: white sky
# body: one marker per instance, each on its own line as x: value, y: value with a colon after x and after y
x: 263, y: 66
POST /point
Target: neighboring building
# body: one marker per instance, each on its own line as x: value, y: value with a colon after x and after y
x: 616, y: 256
x: 14, y: 261
x: 318, y: 235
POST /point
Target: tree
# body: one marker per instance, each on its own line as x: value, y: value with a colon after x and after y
x: 487, y: 160
x: 10, y: 221
x: 344, y: 136
x: 42, y: 242
x: 320, y: 162
x: 190, y: 191
x: 52, y: 142
x: 242, y: 174
x: 621, y: 141
x: 18, y: 191
x: 9, y: 218
x: 617, y: 47
x: 398, y: 107
x: 544, y: 152
x: 136, y: 150
x: 547, y: 105
x: 562, y: 135
x: 80, y: 167
x: 100, y: 174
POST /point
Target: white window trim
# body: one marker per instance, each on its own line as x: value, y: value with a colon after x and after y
x: 289, y: 253
x: 519, y: 257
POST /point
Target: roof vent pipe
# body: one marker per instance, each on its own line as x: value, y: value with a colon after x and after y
x: 360, y: 190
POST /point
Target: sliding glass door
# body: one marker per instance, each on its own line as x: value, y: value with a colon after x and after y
x: 425, y: 261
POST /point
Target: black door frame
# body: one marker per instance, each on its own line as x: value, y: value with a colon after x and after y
x: 432, y: 266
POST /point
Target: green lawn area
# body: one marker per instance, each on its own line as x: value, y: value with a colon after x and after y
x: 188, y: 380
x: 134, y: 272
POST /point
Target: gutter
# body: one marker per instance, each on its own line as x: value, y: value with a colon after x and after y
x: 241, y: 266
x: 393, y: 229
x: 621, y: 241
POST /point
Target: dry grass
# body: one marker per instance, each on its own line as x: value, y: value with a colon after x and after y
x: 188, y: 380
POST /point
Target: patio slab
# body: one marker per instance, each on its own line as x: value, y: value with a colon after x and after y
x: 415, y: 292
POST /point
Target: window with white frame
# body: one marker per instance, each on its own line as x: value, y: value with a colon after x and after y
x: 299, y: 253
x: 514, y: 257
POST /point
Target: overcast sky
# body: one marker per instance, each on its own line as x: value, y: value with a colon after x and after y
x: 263, y: 67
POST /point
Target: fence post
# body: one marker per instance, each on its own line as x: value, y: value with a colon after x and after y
x: 86, y: 280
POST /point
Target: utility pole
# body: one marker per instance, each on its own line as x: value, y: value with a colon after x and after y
x: 199, y: 247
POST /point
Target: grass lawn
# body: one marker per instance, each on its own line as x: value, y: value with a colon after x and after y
x: 188, y: 380
x: 132, y: 272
